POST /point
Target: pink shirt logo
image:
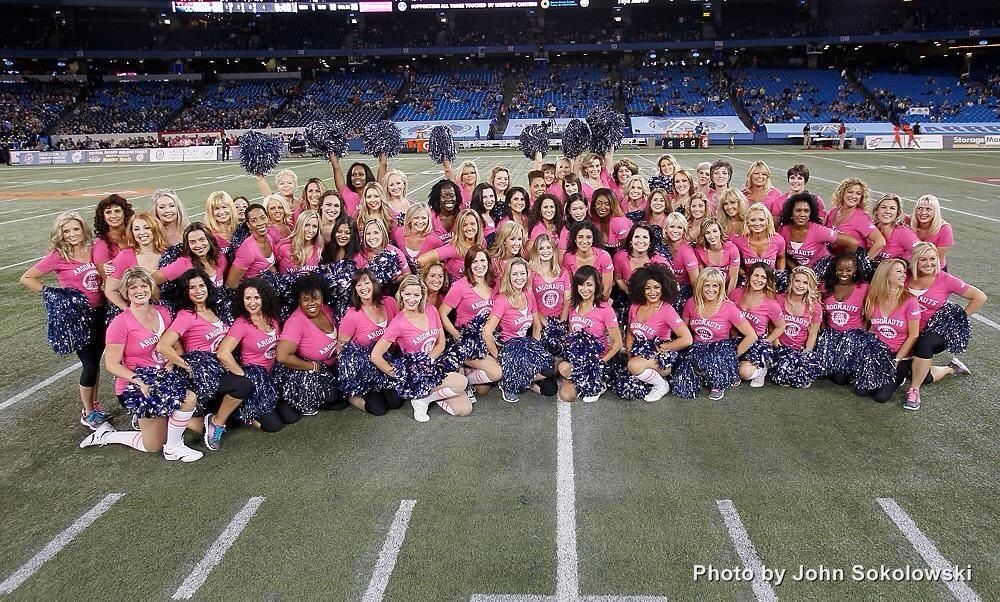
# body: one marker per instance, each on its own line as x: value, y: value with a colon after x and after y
x: 839, y: 317
x: 550, y: 299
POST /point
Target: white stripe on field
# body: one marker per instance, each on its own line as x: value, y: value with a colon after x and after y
x: 390, y: 552
x: 53, y: 547
x: 39, y: 386
x: 14, y: 265
x: 567, y: 561
x: 925, y: 547
x: 199, y: 574
x: 745, y: 549
x: 986, y: 321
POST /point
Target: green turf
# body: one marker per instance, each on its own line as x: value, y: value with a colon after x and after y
x: 803, y: 468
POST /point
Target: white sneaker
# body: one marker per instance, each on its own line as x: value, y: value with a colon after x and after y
x: 471, y: 393
x: 182, y: 452
x: 98, y: 436
x: 658, y: 391
x: 420, y: 409
x: 758, y: 381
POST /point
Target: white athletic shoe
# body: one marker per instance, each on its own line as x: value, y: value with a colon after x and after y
x: 98, y: 436
x: 420, y: 409
x: 758, y: 381
x: 658, y: 391
x: 182, y: 452
x: 593, y: 398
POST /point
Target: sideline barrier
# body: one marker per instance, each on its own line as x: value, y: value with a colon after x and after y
x: 116, y: 155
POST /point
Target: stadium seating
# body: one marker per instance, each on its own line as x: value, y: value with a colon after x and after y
x: 357, y: 100
x: 949, y: 99
x: 237, y: 104
x: 127, y: 107
x: 803, y: 95
x: 562, y: 91
x: 469, y: 94
x: 675, y: 90
x: 30, y: 108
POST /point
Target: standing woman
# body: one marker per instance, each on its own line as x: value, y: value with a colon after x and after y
x: 759, y: 242
x: 142, y: 384
x: 75, y: 311
x: 416, y: 237
x: 466, y: 234
x: 593, y: 175
x: 732, y: 212
x: 443, y: 201
x: 849, y: 216
x: 584, y: 249
x: 714, y: 250
x: 656, y: 213
x: 508, y: 245
x: 385, y: 261
x: 703, y: 172
x: 303, y: 249
x: 622, y: 171
x: 285, y: 180
x: 570, y: 186
x: 256, y: 254
x: 279, y: 216
x: 929, y: 226
x: 331, y: 212
x: 944, y: 326
x: 418, y: 373
x: 111, y: 220
x: 899, y: 239
x: 312, y: 192
x: 146, y: 244
x: 636, y: 196
x: 722, y: 176
x: 435, y: 278
x: 367, y: 388
x: 758, y: 188
x: 395, y: 184
x: 594, y: 339
x: 697, y: 212
x: 220, y: 217
x: 681, y: 257
x: 807, y: 240
x: 500, y: 181
x: 606, y: 214
x: 684, y: 188
x: 550, y: 286
x: 840, y: 343
x: 375, y: 206
x: 524, y: 360
x: 466, y: 179
x: 666, y: 169
x: 758, y: 305
x: 795, y: 364
x: 712, y: 359
x: 350, y: 185
x: 168, y: 208
x: 517, y: 207
x: 798, y: 177
x: 484, y: 203
x: 546, y: 218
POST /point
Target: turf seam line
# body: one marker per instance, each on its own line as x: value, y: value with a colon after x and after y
x: 925, y: 547
x: 745, y: 549
x: 213, y: 556
x: 62, y: 540
x: 38, y: 386
x: 390, y: 552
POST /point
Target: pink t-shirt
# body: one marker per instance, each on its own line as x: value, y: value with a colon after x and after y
x: 858, y: 226
x: 443, y: 233
x: 945, y: 237
x: 104, y: 251
x: 730, y: 257
x: 466, y: 195
x: 431, y: 241
x: 453, y: 263
x: 251, y: 260
x: 123, y: 261
x: 196, y: 333
x: 660, y: 325
x: 597, y: 321
x: 362, y: 259
x: 139, y: 343
x: 774, y: 248
x: 514, y: 322
x: 767, y: 312
x: 358, y: 327
x: 849, y: 313
x: 555, y: 189
x: 467, y: 302
x: 222, y: 242
x: 83, y: 277
x: 602, y: 261
x: 286, y: 264
x: 683, y: 260
x: 797, y: 327
x: 623, y: 269
x: 257, y: 348
x: 813, y: 248
x: 550, y: 296
x: 177, y: 267
x: 352, y: 200
x: 618, y: 228
x: 936, y: 296
x: 540, y: 229
x: 410, y: 338
x: 774, y: 200
x: 312, y: 344
x: 899, y: 243
x: 894, y: 328
x: 713, y: 328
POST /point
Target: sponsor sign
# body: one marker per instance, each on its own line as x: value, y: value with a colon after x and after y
x: 919, y: 111
x: 656, y: 126
x: 885, y: 141
x: 187, y: 153
x: 465, y: 129
x: 974, y: 141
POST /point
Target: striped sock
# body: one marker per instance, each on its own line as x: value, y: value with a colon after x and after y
x: 478, y: 377
x: 176, y: 424
x: 131, y: 439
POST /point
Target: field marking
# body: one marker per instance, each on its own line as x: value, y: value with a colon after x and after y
x: 62, y: 540
x: 39, y: 386
x: 390, y: 552
x: 972, y: 198
x: 745, y: 549
x: 199, y: 574
x: 14, y: 265
x: 925, y: 547
x: 986, y: 321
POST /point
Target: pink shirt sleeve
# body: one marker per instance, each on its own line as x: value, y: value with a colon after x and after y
x: 245, y: 254
x: 457, y: 291
x: 122, y: 262
x: 117, y: 333
x: 182, y: 322
x: 49, y: 263
x: 174, y: 269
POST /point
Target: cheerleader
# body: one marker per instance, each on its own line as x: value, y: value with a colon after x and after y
x: 375, y: 206
x: 303, y: 248
x: 606, y: 214
x: 550, y: 286
x: 577, y: 210
x: 684, y: 187
x: 419, y: 374
x: 849, y: 216
x: 516, y: 207
x: 145, y: 245
x: 656, y: 211
x: 363, y: 325
x: 697, y: 212
x: 484, y: 203
x: 279, y: 216
x: 714, y: 250
x: 637, y: 252
x: 443, y: 201
x: 583, y: 248
x: 255, y: 333
x: 384, y: 260
x: 199, y: 251
x: 758, y: 188
x: 943, y: 326
x: 344, y: 244
x: 416, y: 237
x: 636, y: 195
x: 306, y: 352
x: 79, y: 325
x: 758, y: 305
x: 703, y: 172
x: 655, y: 332
x: 500, y: 181
x: 806, y: 238
x: 508, y: 244
x: 759, y: 241
x: 899, y: 239
x: 472, y: 299
x: 929, y: 226
x: 570, y: 186
x: 466, y: 234
x: 593, y: 175
x: 466, y: 179
x: 712, y: 360
x: 525, y: 362
x: 241, y: 203
x: 622, y: 171
x: 111, y: 219
x: 594, y: 339
x: 395, y: 184
x: 546, y: 218
x: 722, y: 176
x: 220, y: 217
x: 168, y: 208
x: 798, y: 177
x: 683, y: 262
x: 795, y: 365
x: 666, y: 169
x: 286, y: 181
x: 331, y: 212
x: 840, y: 343
x: 563, y: 168
x: 536, y: 185
x: 142, y: 384
x: 312, y: 192
x: 732, y: 212
x: 351, y: 185
x: 256, y: 254
x: 197, y: 331
x: 435, y: 278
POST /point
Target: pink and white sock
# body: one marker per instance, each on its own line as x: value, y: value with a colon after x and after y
x: 652, y: 377
x: 176, y: 424
x: 478, y: 377
x: 131, y: 439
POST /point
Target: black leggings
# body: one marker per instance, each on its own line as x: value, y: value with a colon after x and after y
x: 928, y: 345
x: 90, y: 356
x: 903, y: 371
x: 378, y: 403
x: 240, y: 387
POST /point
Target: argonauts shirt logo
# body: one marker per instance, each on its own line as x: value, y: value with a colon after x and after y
x: 92, y: 280
x: 550, y: 299
x: 839, y: 318
x: 887, y: 332
x: 792, y: 329
x: 428, y: 345
x: 703, y: 333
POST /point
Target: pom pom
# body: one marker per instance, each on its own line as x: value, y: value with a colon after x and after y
x: 417, y: 374
x: 583, y: 352
x: 795, y: 368
x: 357, y: 375
x: 684, y: 381
x: 624, y: 384
x: 606, y: 130
x: 822, y: 267
x: 953, y: 325
x: 554, y: 335
x: 534, y: 140
x: 264, y: 397
x: 381, y: 138
x: 630, y: 387
x: 761, y: 353
x: 470, y: 346
x: 636, y: 216
x: 111, y: 311
x: 684, y: 293
x: 282, y: 285
x: 260, y: 153
x: 522, y: 358
x: 206, y: 372
x: 166, y: 392
x: 575, y: 138
x: 663, y: 182
x: 876, y: 367
x: 385, y: 267
x: 781, y: 280
x: 338, y: 277
x: 866, y: 266
x: 305, y: 390
x: 713, y: 365
x: 440, y: 145
x: 70, y: 318
x: 327, y: 137
x: 650, y: 349
x: 840, y: 350
x: 241, y: 233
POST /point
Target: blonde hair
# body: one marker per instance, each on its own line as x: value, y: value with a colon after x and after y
x: 669, y: 159
x: 463, y: 165
x: 391, y: 173
x: 674, y: 217
x: 220, y: 198
x: 642, y: 183
x: 812, y: 294
x: 412, y: 280
x: 182, y: 218
x: 289, y: 173
x: 552, y: 265
x: 381, y: 228
x: 899, y: 208
x: 458, y: 239
x: 56, y: 237
x: 277, y: 198
x: 704, y: 165
x: 768, y: 220
x: 384, y: 211
x: 919, y: 250
x: 767, y: 172
x: 936, y: 221
x: 838, y: 195
x: 411, y: 213
x: 300, y: 247
x: 159, y: 237
x: 711, y: 221
x: 704, y: 277
x: 506, y: 231
x: 879, y: 291
x: 493, y: 177
x: 506, y: 288
x: 695, y: 196
x: 141, y: 274
x: 588, y: 160
x: 741, y: 211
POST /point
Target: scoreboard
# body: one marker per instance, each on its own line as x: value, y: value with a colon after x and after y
x: 362, y: 6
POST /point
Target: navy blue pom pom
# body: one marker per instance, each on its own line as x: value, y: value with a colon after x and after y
x: 357, y: 375
x: 282, y: 285
x: 684, y: 294
x: 166, y: 393
x: 241, y: 233
x: 795, y: 368
x: 781, y: 280
x: 470, y: 346
x: 381, y: 138
x: 606, y: 130
x: 69, y: 319
x: 624, y: 384
x: 417, y: 374
x: 440, y: 145
x: 876, y: 365
x: 583, y: 352
x: 522, y: 358
x: 684, y: 381
x: 327, y: 137
x: 534, y: 139
x: 385, y: 267
x: 260, y: 153
x: 839, y: 351
x: 575, y: 138
x: 662, y: 182
x: 338, y: 277
x: 305, y: 390
x: 866, y: 266
x: 760, y: 353
x: 206, y: 372
x: 264, y: 397
x: 111, y: 311
x: 554, y: 334
x: 630, y: 387
x: 713, y: 365
x: 822, y: 267
x: 953, y: 324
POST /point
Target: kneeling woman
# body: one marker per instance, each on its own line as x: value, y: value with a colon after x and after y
x: 142, y: 384
x: 307, y: 351
x: 795, y: 364
x: 523, y: 358
x: 255, y: 332
x: 420, y: 376
x: 758, y: 305
x: 594, y: 339
x: 842, y: 340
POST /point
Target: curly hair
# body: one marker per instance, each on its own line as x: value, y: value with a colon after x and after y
x: 830, y: 277
x: 656, y: 272
x: 101, y: 227
x: 269, y: 303
x: 536, y: 212
x: 801, y: 197
x: 576, y: 228
x: 838, y: 195
x: 310, y: 282
x: 434, y: 197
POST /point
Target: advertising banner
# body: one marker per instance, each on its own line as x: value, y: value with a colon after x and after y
x: 460, y: 129
x: 980, y: 142
x: 886, y: 142
x: 657, y: 126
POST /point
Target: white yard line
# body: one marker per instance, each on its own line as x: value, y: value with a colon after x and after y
x: 390, y: 553
x: 745, y: 550
x: 40, y: 385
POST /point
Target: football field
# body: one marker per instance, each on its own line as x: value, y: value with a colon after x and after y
x: 679, y: 499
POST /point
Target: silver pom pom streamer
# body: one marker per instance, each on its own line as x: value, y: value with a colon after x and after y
x: 583, y: 352
x: 385, y: 267
x: 327, y: 137
x: 470, y: 346
x: 111, y: 311
x: 866, y: 266
x: 356, y: 373
x: 575, y: 138
x: 166, y: 392
x: 630, y: 387
x: 206, y: 372
x: 522, y: 358
x: 664, y: 182
x: 338, y: 277
x: 876, y: 365
x: 381, y: 138
x: 606, y: 130
x: 264, y: 397
x: 795, y: 368
x: 781, y: 280
x: 953, y: 325
x: 70, y: 319
x: 305, y: 390
x: 712, y: 365
x: 440, y: 145
x: 241, y: 233
x: 554, y: 334
x: 760, y: 353
x: 260, y: 153
x: 822, y: 266
x: 839, y: 351
x: 534, y: 140
x: 417, y: 374
x: 684, y: 293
